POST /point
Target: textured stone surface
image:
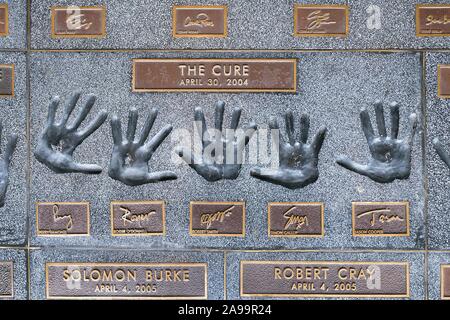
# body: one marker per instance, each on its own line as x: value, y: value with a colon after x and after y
x: 19, y: 259
x: 322, y: 92
x: 13, y: 111
x: 416, y: 265
x: 17, y: 38
x: 435, y: 260
x: 39, y: 257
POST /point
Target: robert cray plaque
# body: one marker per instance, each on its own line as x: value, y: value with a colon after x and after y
x: 320, y: 20
x: 62, y: 218
x: 6, y: 279
x: 6, y: 80
x: 4, y: 27
x: 78, y: 22
x: 217, y: 218
x: 324, y: 279
x: 443, y: 75
x: 214, y: 75
x: 380, y: 218
x: 445, y: 282
x: 199, y: 21
x: 432, y: 20
x: 295, y: 219
x: 126, y: 280
x: 136, y: 218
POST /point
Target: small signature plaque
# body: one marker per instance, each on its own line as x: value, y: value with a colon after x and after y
x: 444, y: 81
x: 432, y: 20
x: 380, y: 218
x: 199, y: 21
x: 295, y: 219
x: 320, y: 20
x: 217, y: 218
x: 6, y: 279
x: 214, y: 75
x: 4, y: 24
x: 78, y: 22
x: 126, y: 280
x: 62, y: 218
x: 445, y: 282
x: 6, y: 80
x: 136, y: 218
x: 324, y: 279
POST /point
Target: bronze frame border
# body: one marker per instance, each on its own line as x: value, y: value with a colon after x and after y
x: 306, y: 262
x: 88, y: 224
x: 322, y: 215
x: 102, y: 8
x: 443, y: 267
x: 439, y: 67
x: 13, y: 80
x: 200, y: 35
x: 242, y: 235
x: 163, y: 207
x: 425, y: 5
x: 291, y: 60
x: 6, y: 33
x: 407, y: 217
x: 123, y: 264
x: 324, y: 6
x: 11, y: 264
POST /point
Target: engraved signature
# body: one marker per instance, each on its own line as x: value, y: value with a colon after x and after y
x: 295, y: 219
x: 382, y: 217
x: 219, y: 216
x: 57, y: 217
x: 129, y: 217
x: 318, y: 19
x: 76, y: 20
x: 432, y: 20
x: 201, y: 20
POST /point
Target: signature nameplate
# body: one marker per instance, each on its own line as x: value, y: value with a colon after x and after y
x: 432, y: 20
x: 380, y: 218
x: 137, y: 218
x: 320, y: 20
x: 199, y: 21
x: 126, y: 280
x: 4, y: 24
x: 6, y: 279
x: 324, y: 279
x: 62, y: 218
x: 6, y: 80
x: 78, y: 22
x: 295, y: 219
x: 445, y: 282
x: 443, y: 80
x: 214, y: 75
x: 217, y: 218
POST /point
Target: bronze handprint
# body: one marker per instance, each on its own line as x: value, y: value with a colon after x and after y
x: 298, y: 160
x: 59, y: 140
x: 4, y: 164
x: 441, y: 152
x: 130, y: 156
x: 211, y: 163
x: 391, y: 157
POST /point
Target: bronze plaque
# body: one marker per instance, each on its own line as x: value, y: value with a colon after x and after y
x: 199, y: 21
x: 6, y: 80
x: 324, y: 279
x: 62, y: 218
x: 78, y: 22
x: 320, y: 20
x: 137, y: 218
x: 217, y: 218
x: 380, y: 218
x: 445, y: 282
x: 296, y: 219
x: 6, y: 279
x: 432, y: 20
x: 4, y: 27
x: 444, y: 81
x: 214, y: 75
x: 126, y: 280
